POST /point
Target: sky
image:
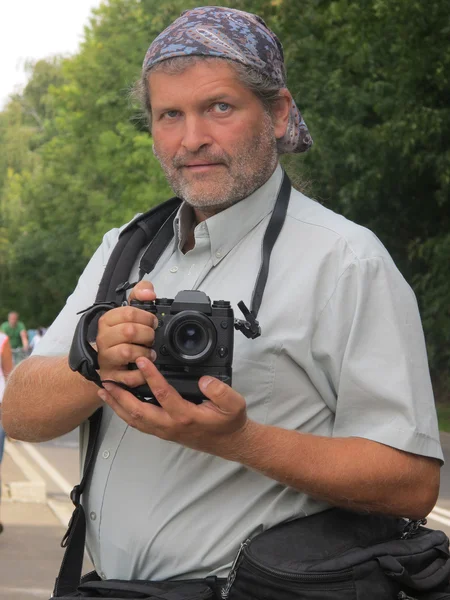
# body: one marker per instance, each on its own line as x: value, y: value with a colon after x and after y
x: 34, y: 29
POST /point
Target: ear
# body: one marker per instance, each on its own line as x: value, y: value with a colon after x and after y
x: 280, y: 113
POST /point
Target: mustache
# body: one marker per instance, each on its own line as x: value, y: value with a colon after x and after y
x: 182, y: 160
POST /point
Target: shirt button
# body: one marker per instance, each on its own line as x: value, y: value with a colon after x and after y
x: 93, y: 516
x: 105, y: 454
x: 219, y: 253
x: 174, y: 269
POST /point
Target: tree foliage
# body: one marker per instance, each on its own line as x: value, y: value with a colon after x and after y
x: 370, y: 76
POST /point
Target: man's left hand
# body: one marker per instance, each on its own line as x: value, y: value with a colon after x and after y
x: 217, y: 426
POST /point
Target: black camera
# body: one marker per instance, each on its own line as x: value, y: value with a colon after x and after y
x: 194, y: 337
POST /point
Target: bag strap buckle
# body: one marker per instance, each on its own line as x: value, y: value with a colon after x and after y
x: 75, y: 495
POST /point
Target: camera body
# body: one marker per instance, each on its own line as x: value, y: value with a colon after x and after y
x: 194, y: 337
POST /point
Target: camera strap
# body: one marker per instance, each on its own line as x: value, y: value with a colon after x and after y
x: 153, y: 229
x: 250, y: 327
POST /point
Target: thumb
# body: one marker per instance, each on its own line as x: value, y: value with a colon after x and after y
x: 222, y: 395
x: 142, y: 291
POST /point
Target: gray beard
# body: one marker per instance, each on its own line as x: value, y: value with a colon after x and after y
x: 248, y: 170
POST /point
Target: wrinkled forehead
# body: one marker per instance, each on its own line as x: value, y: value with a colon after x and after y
x: 221, y: 32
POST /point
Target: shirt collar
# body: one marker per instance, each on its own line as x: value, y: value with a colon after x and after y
x: 227, y: 228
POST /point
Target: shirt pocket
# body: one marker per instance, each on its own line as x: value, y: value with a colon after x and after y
x: 254, y: 373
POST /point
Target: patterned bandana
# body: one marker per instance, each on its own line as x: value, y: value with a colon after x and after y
x: 236, y: 35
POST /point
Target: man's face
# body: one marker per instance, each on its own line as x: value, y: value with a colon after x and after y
x: 13, y: 318
x: 212, y: 136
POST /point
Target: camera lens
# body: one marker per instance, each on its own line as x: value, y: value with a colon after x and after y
x: 191, y: 337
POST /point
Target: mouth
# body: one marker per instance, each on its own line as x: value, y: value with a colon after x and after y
x: 201, y: 167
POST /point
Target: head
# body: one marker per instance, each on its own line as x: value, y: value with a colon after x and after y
x: 213, y: 85
x: 13, y: 318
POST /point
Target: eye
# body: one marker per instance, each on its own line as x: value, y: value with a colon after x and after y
x: 221, y: 107
x: 170, y: 114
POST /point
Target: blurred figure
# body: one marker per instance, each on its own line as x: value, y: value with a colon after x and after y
x: 37, y: 337
x: 6, y: 365
x: 17, y: 334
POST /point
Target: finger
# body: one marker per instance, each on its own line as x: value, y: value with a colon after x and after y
x: 122, y: 356
x: 172, y: 402
x: 222, y: 395
x: 141, y: 415
x: 126, y: 333
x: 127, y: 314
x: 129, y: 378
x: 133, y: 414
x: 142, y: 291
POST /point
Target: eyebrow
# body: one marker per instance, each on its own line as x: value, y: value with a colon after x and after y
x: 218, y: 97
x: 208, y: 100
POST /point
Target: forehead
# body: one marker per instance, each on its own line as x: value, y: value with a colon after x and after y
x: 198, y: 79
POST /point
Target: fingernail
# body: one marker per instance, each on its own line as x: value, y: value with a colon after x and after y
x: 152, y: 355
x: 206, y: 381
x: 141, y: 363
x: 108, y: 387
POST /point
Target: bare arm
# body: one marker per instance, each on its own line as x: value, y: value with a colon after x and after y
x: 6, y: 359
x: 45, y: 399
x: 354, y: 473
x: 24, y: 338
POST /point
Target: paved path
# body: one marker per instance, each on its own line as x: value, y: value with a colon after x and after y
x: 30, y: 551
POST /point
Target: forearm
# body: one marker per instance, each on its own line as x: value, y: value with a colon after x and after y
x: 24, y: 338
x: 45, y: 399
x: 354, y: 473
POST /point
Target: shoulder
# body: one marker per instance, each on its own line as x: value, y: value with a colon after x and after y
x: 327, y: 230
x: 111, y: 238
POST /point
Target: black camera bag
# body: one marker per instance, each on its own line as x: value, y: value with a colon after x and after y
x: 342, y: 555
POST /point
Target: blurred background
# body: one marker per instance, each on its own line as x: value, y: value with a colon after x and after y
x: 371, y: 77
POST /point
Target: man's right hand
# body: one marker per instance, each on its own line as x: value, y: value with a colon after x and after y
x: 125, y: 334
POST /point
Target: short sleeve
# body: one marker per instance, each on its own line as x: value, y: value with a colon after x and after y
x: 58, y: 337
x: 369, y: 341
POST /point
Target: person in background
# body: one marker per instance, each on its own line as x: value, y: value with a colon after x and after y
x: 17, y: 334
x: 6, y: 366
x: 37, y: 338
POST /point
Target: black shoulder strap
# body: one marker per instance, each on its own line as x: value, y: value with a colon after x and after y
x: 132, y: 239
x: 156, y: 224
x: 271, y: 234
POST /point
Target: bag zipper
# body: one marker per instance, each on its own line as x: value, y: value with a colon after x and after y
x: 303, y: 577
x: 411, y: 529
x: 225, y: 591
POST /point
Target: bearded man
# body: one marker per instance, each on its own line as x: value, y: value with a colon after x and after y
x: 331, y: 405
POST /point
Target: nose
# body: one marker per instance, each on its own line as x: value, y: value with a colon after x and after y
x: 196, y: 133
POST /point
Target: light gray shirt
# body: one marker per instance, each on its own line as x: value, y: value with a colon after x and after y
x: 341, y: 354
